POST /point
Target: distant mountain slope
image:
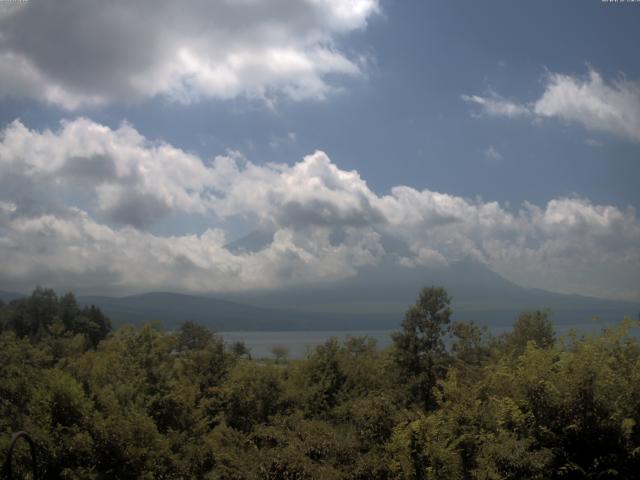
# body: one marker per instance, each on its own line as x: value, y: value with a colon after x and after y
x: 368, y: 301
x: 352, y: 305
x: 8, y: 296
x: 172, y: 309
x: 378, y: 296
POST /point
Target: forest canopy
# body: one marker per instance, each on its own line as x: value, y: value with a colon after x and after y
x: 445, y: 401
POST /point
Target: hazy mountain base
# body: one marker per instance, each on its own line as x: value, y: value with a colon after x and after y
x: 376, y: 298
x: 150, y: 404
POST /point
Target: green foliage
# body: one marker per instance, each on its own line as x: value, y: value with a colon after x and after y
x: 280, y: 353
x: 419, y: 348
x: 470, y: 347
x: 321, y: 379
x: 424, y: 449
x: 240, y: 349
x: 530, y: 327
x: 252, y: 395
x: 44, y: 316
x: 373, y: 419
x: 193, y: 336
x: 145, y: 403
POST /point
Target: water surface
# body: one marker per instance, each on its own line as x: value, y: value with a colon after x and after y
x: 298, y: 343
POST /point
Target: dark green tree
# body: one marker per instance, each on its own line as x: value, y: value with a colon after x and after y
x: 44, y: 315
x: 419, y: 351
x: 69, y: 310
x: 469, y: 348
x: 252, y: 395
x: 531, y: 327
x: 240, y: 349
x: 280, y: 354
x: 33, y: 316
x: 93, y: 324
x: 322, y: 378
x: 193, y: 336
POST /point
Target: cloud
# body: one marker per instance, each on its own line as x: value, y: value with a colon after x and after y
x: 495, y: 105
x: 592, y: 142
x: 492, y: 154
x: 130, y: 180
x: 568, y: 236
x: 78, y: 206
x: 79, y: 53
x: 278, y: 141
x: 76, y: 252
x: 425, y: 257
x: 612, y: 107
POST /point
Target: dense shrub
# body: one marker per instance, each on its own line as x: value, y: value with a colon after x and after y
x: 144, y: 403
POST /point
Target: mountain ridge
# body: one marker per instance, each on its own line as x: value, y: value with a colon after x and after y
x: 376, y: 298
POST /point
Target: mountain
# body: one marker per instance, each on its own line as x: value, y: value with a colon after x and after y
x: 8, y: 296
x: 172, y: 309
x: 378, y: 300
x: 378, y: 296
x: 368, y: 301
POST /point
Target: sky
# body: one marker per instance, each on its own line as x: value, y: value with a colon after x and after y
x: 139, y: 139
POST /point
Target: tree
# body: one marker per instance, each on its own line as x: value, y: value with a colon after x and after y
x: 469, y: 348
x: 240, y: 349
x: 193, y: 336
x: 280, y: 353
x: 43, y: 310
x: 93, y: 324
x: 45, y: 316
x: 252, y: 395
x: 32, y: 317
x: 322, y: 379
x: 69, y: 310
x: 531, y: 327
x: 419, y: 348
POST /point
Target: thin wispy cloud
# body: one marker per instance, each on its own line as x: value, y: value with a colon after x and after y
x: 592, y: 142
x: 495, y: 105
x: 612, y: 107
x: 492, y: 154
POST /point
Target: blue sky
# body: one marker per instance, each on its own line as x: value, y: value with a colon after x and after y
x: 533, y: 105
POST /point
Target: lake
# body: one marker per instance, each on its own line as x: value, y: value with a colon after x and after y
x: 299, y: 342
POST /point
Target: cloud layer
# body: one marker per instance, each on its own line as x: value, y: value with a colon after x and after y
x: 612, y: 107
x: 88, y: 52
x: 77, y: 207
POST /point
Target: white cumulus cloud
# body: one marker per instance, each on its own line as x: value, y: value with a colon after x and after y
x: 612, y: 107
x: 76, y: 53
x: 78, y: 205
